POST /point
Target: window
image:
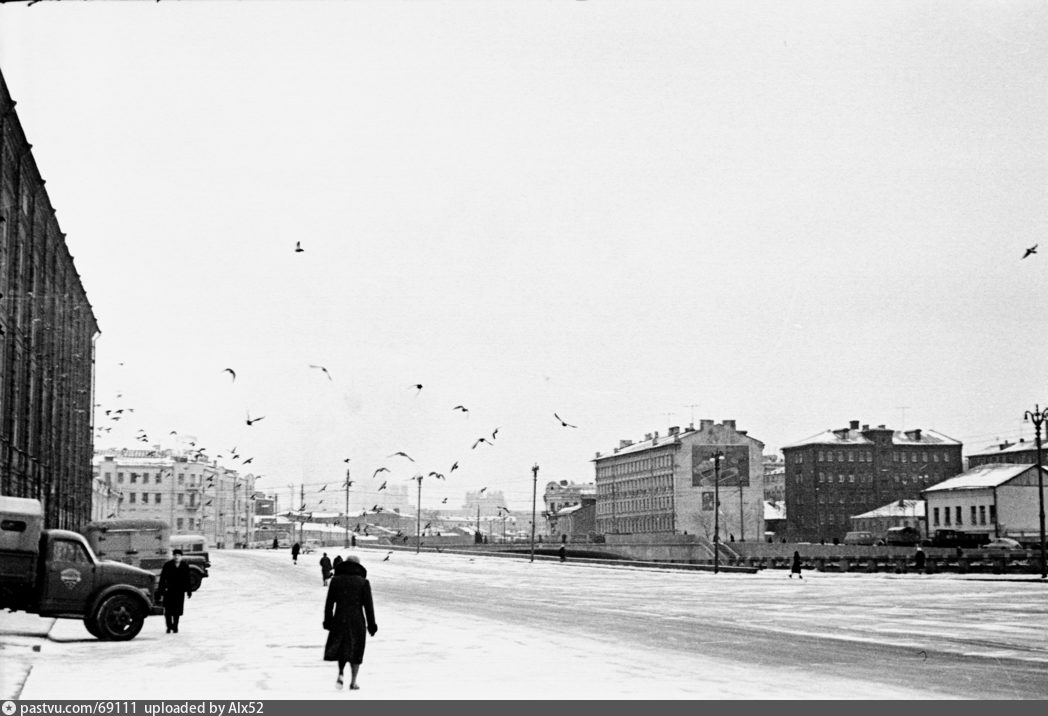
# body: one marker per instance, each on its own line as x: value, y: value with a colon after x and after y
x: 134, y: 477
x: 851, y: 477
x: 993, y: 514
x: 66, y: 551
x: 973, y: 515
x: 958, y: 515
x: 133, y: 497
x: 935, y: 457
x: 181, y: 478
x: 179, y: 522
x: 180, y: 498
x: 935, y: 516
x: 913, y: 457
x: 156, y: 498
x: 946, y: 457
x: 145, y: 478
x: 120, y: 478
x: 145, y: 498
x: 982, y: 514
x: 840, y: 456
x: 946, y: 514
x: 840, y: 477
x: 895, y: 456
x: 851, y: 456
x: 822, y: 456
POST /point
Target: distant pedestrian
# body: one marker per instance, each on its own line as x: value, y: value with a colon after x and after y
x: 174, y: 589
x: 353, y: 540
x: 919, y: 559
x: 295, y: 549
x: 276, y: 543
x: 796, y: 567
x: 349, y: 615
x: 338, y: 561
x: 731, y: 536
x: 325, y: 568
x: 563, y: 552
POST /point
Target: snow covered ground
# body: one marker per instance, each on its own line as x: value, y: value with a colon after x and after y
x: 456, y: 627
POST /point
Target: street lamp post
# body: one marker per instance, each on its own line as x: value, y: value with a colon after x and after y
x: 1037, y: 417
x: 717, y: 457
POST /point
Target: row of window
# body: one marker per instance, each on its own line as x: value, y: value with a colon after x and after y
x: 650, y: 523
x: 634, y: 466
x: 867, y: 456
x: 133, y: 478
x: 648, y: 503
x: 646, y: 484
x: 977, y: 515
x: 179, y: 499
x: 827, y: 478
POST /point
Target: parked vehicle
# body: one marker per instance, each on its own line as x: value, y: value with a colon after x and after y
x: 902, y: 536
x: 1003, y: 543
x: 957, y: 538
x: 140, y: 543
x: 865, y: 538
x: 55, y: 573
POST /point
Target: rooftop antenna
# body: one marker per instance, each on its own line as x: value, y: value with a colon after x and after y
x: 903, y: 409
x: 692, y: 406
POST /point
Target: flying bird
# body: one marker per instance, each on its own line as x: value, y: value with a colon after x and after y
x: 346, y: 460
x: 444, y: 501
x: 427, y: 525
x: 483, y: 490
x: 231, y: 372
x: 249, y: 460
x: 563, y: 423
x: 387, y: 557
x: 251, y: 421
x: 506, y: 509
x: 402, y: 454
x: 1031, y: 250
x: 436, y: 475
x: 418, y: 388
x: 298, y: 247
x: 463, y: 408
x: 382, y: 486
x: 381, y: 469
x: 479, y: 441
x: 207, y: 504
x: 320, y: 367
x: 496, y: 432
x: 454, y: 467
x: 173, y: 432
x: 322, y: 488
x: 111, y: 515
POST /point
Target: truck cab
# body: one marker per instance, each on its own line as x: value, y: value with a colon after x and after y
x: 55, y: 573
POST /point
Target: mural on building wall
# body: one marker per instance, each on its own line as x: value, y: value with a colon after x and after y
x: 734, y: 466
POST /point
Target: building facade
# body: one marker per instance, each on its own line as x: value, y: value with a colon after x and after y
x: 670, y: 484
x: 998, y: 500
x: 774, y: 479
x: 904, y: 513
x: 839, y: 473
x: 560, y: 495
x: 194, y: 496
x: 47, y: 334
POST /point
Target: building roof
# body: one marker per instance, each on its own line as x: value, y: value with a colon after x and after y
x: 568, y: 510
x: 898, y: 508
x: 1021, y: 446
x: 855, y: 437
x: 658, y: 441
x: 981, y: 477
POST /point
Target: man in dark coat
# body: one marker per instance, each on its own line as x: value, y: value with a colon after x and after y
x: 349, y: 616
x: 325, y: 568
x: 795, y: 568
x: 174, y: 589
x: 295, y: 549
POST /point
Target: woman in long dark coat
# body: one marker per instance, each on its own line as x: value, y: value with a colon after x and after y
x: 173, y: 589
x: 796, y: 567
x: 349, y: 615
x: 325, y: 568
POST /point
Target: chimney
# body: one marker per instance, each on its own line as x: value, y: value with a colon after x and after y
x: 674, y: 430
x: 741, y: 432
x: 914, y: 435
x: 729, y: 424
x: 647, y: 436
x: 865, y: 427
x: 705, y: 424
x: 624, y: 443
x: 855, y: 425
x: 656, y: 434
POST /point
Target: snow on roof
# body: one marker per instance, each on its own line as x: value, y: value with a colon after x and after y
x: 983, y: 476
x: 569, y: 510
x: 855, y: 437
x: 774, y: 510
x: 1021, y: 446
x: 898, y: 508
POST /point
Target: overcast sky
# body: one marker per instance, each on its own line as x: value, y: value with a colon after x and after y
x: 790, y: 214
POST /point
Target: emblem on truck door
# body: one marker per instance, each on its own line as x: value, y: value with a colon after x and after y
x: 70, y: 577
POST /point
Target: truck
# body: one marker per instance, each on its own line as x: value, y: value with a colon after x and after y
x: 55, y: 573
x: 143, y: 543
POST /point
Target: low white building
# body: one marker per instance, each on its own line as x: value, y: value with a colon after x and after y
x: 997, y: 500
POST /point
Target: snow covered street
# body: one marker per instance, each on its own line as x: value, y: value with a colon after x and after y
x: 457, y: 627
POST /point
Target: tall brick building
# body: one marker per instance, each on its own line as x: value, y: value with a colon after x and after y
x: 47, y: 333
x: 837, y: 474
x: 666, y: 484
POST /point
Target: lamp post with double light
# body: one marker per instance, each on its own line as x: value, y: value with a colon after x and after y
x: 717, y: 457
x: 1037, y: 417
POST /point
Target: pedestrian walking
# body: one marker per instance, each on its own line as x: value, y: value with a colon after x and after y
x: 563, y: 552
x: 349, y: 616
x: 173, y: 589
x: 276, y: 543
x: 796, y: 567
x: 338, y: 561
x: 295, y: 549
x: 325, y: 568
x: 919, y: 559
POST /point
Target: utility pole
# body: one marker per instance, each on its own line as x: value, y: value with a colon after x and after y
x: 1037, y: 417
x: 346, y: 517
x: 742, y: 526
x: 717, y: 457
x: 302, y: 522
x: 534, y: 492
x: 418, y: 516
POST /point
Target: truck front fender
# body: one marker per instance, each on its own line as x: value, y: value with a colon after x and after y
x: 144, y: 600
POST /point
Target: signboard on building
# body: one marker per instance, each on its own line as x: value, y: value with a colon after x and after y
x: 734, y: 466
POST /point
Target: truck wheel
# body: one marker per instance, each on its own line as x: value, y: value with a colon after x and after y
x: 195, y: 579
x: 119, y: 618
x: 92, y: 626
